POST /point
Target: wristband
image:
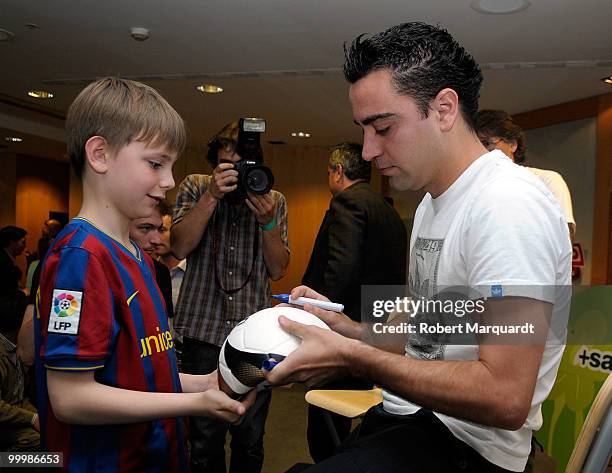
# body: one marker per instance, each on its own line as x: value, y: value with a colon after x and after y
x: 269, y: 226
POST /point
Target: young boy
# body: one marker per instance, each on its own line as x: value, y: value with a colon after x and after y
x: 110, y: 396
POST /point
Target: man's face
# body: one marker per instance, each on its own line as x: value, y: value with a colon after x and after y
x: 16, y: 247
x: 228, y: 155
x: 332, y: 179
x: 495, y: 142
x: 403, y: 145
x: 145, y: 231
x: 163, y: 248
x: 51, y: 228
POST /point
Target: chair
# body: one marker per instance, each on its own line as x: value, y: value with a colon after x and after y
x: 348, y: 403
x: 593, y: 447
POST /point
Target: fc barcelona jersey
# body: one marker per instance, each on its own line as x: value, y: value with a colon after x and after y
x: 99, y: 309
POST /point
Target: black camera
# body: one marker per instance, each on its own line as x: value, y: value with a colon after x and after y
x: 253, y: 176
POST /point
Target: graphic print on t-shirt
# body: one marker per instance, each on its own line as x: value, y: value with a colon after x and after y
x: 423, y: 280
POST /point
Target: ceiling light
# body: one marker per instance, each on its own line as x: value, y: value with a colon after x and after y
x: 13, y: 139
x: 40, y: 94
x: 607, y: 80
x: 499, y: 7
x: 139, y: 33
x: 6, y: 35
x: 209, y: 89
x: 300, y: 134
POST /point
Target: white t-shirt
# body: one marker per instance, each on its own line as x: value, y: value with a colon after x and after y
x: 556, y: 184
x: 495, y: 227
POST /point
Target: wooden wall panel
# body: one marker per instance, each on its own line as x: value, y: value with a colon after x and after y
x: 603, y: 188
x: 8, y: 188
x: 555, y: 114
x: 42, y: 186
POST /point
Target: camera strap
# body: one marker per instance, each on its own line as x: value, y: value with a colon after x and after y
x: 215, y: 237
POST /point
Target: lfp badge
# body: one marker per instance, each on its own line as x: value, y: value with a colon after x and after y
x: 65, y: 312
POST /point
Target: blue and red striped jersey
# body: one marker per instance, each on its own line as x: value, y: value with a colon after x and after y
x: 99, y: 308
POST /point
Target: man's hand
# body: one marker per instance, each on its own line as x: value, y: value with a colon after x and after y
x: 263, y: 206
x: 224, y: 179
x: 319, y: 359
x: 338, y: 322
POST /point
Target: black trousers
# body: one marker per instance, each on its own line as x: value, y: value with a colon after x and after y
x: 418, y: 443
x: 207, y: 436
x: 320, y: 442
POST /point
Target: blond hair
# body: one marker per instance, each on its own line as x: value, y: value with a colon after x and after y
x: 121, y: 111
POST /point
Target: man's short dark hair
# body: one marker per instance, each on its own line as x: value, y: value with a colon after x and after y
x: 349, y: 155
x: 164, y: 208
x: 227, y: 137
x: 423, y: 60
x: 11, y: 233
x: 498, y: 123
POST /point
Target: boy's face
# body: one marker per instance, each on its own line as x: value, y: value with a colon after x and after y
x: 138, y: 177
x: 403, y: 145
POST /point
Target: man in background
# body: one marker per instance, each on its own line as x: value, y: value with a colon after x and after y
x: 12, y: 297
x: 164, y: 254
x: 362, y: 241
x: 146, y: 233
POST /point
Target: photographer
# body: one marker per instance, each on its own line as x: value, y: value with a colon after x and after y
x: 234, y: 246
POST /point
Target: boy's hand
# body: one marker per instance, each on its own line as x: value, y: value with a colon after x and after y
x: 262, y: 206
x: 195, y: 383
x: 218, y: 405
x: 224, y: 180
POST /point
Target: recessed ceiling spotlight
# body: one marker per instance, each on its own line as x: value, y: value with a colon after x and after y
x: 13, y: 139
x: 40, y: 94
x: 209, y: 89
x: 499, y: 7
x: 6, y: 35
x: 139, y: 33
x: 607, y: 80
x: 300, y: 134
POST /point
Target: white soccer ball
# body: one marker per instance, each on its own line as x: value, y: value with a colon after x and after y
x: 254, y: 341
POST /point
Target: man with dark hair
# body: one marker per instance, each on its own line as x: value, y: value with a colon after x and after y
x: 484, y: 226
x: 12, y: 298
x: 146, y: 233
x: 233, y: 246
x: 362, y: 241
x: 163, y: 251
x: 497, y: 130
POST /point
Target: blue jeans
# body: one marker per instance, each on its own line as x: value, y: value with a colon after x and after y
x: 207, y: 436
